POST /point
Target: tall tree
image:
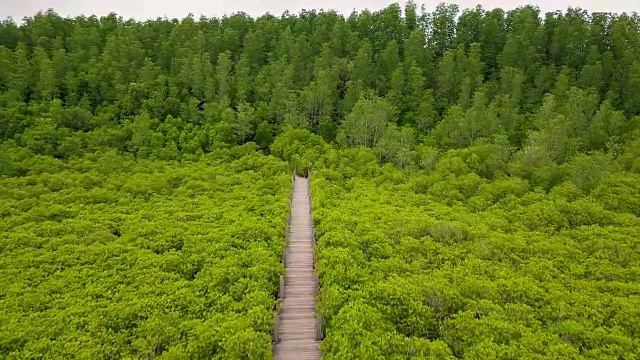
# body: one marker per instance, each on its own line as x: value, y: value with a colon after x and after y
x: 366, y: 123
x: 223, y: 78
x: 46, y: 86
x: 20, y: 75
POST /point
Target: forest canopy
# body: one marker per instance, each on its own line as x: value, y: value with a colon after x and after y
x: 551, y: 85
x: 475, y: 173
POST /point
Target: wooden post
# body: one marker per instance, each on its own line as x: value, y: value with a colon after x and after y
x: 319, y: 325
x: 275, y: 336
x: 281, y: 291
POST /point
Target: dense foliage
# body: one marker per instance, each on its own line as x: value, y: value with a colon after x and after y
x: 453, y: 265
x: 106, y: 257
x: 554, y: 84
x: 476, y: 182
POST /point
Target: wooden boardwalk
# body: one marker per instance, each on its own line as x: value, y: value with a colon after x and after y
x: 297, y: 331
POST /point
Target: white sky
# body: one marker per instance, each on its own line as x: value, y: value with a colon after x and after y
x: 145, y: 9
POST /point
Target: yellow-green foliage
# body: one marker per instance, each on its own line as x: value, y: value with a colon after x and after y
x: 466, y: 267
x: 106, y: 257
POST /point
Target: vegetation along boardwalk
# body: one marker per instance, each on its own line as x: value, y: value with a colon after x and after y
x: 297, y: 336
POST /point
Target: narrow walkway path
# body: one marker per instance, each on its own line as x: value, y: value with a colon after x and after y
x: 297, y: 331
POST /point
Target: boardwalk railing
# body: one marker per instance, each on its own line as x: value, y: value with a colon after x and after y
x: 319, y: 321
x: 275, y: 335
